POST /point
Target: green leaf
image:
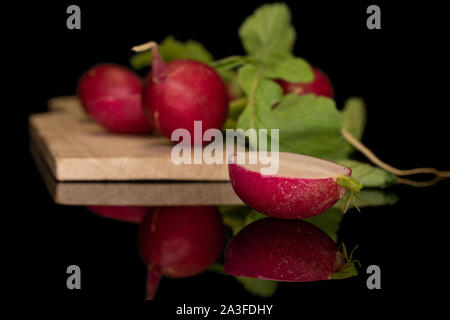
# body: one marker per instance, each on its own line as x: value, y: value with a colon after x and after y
x: 259, y: 287
x: 370, y: 198
x: 217, y: 268
x: 268, y: 31
x: 307, y: 124
x: 354, y: 117
x: 246, y: 76
x: 328, y: 221
x: 289, y: 68
x: 230, y: 123
x: 172, y: 49
x: 368, y: 175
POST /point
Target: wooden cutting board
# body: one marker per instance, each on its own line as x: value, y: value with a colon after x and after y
x: 77, y: 149
x: 148, y: 193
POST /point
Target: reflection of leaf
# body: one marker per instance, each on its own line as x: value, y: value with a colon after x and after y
x: 254, y: 216
x: 328, y: 221
x: 234, y: 216
x: 217, y: 268
x: 259, y: 287
x: 368, y: 175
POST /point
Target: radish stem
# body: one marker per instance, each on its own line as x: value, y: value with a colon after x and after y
x: 158, y: 68
x: 348, y: 269
x: 351, y: 184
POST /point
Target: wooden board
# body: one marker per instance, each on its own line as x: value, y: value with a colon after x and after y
x: 77, y: 149
x: 135, y: 193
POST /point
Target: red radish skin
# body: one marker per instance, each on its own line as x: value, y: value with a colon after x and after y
x: 112, y: 95
x: 107, y: 80
x: 121, y: 115
x: 289, y: 197
x: 132, y: 214
x: 320, y: 86
x: 181, y: 92
x: 179, y: 242
x: 282, y: 250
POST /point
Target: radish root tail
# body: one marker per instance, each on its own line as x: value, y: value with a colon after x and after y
x: 145, y: 46
x: 372, y: 157
x: 419, y: 184
x: 152, y: 282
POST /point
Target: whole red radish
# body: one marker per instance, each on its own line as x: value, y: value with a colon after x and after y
x: 121, y: 213
x: 112, y: 95
x: 303, y: 187
x: 320, y: 86
x: 183, y: 91
x: 282, y: 250
x: 179, y: 242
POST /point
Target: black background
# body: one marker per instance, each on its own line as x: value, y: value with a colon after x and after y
x: 401, y: 71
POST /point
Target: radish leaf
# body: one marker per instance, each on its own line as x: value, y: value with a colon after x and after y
x: 368, y: 175
x: 354, y: 118
x: 307, y: 124
x: 268, y: 31
x: 288, y: 68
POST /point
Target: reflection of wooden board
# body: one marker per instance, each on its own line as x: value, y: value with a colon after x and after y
x: 75, y: 148
x: 136, y: 193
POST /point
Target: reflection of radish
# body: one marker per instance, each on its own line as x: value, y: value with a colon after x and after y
x: 112, y: 95
x: 320, y: 86
x: 121, y: 213
x: 179, y: 242
x: 284, y: 250
x: 303, y: 187
x: 182, y: 91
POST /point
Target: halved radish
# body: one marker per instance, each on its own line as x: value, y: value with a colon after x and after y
x: 303, y: 186
x: 296, y: 251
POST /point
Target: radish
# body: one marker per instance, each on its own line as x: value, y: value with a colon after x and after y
x: 179, y: 242
x: 282, y: 250
x: 303, y: 186
x: 112, y: 95
x: 121, y: 213
x: 320, y: 86
x: 183, y: 91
